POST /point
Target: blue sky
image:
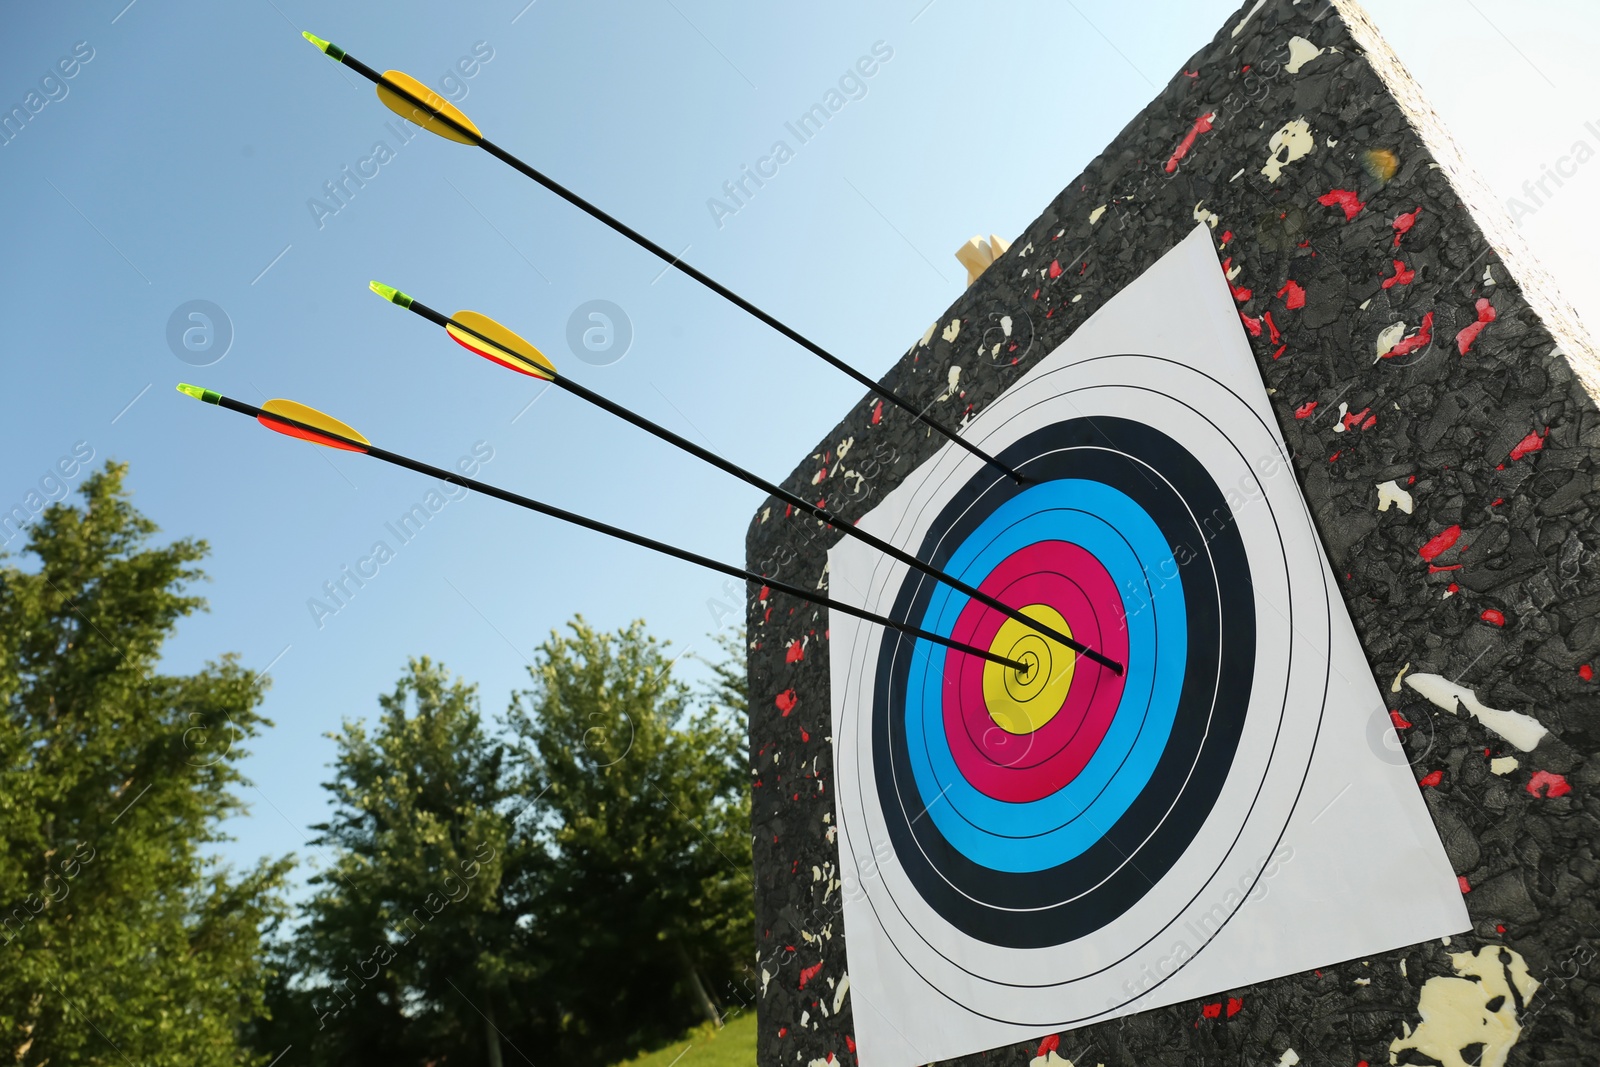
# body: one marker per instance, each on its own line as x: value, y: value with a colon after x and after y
x: 180, y: 160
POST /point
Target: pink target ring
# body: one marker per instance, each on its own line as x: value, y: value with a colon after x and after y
x: 1019, y: 768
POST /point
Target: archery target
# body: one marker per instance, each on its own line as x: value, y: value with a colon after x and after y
x: 1032, y: 845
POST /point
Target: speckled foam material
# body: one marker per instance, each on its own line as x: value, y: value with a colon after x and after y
x: 1405, y: 336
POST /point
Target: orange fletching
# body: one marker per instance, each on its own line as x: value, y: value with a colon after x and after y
x: 290, y: 409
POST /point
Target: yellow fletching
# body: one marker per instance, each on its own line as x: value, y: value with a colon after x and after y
x: 290, y: 409
x: 499, y: 344
x: 410, y: 112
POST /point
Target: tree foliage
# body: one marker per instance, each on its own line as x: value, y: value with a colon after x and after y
x: 119, y: 941
x: 607, y: 835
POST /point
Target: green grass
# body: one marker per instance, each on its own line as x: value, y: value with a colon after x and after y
x: 732, y: 1046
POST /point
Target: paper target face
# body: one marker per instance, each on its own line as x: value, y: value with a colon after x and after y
x: 1045, y: 847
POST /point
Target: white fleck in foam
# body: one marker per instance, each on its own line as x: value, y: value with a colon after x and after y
x: 1292, y: 141
x: 1344, y: 409
x: 1390, y: 493
x: 929, y: 335
x: 1455, y: 1011
x: 1289, y: 1058
x: 952, y: 330
x: 1330, y: 142
x: 1248, y: 15
x: 1488, y: 275
x: 1026, y: 250
x: 1208, y: 217
x: 1395, y: 686
x: 766, y: 976
x: 1077, y: 298
x: 1363, y: 981
x: 1234, y: 271
x: 1094, y: 216
x: 952, y: 383
x: 1403, y: 967
x: 805, y: 1018
x: 1365, y: 304
x: 1005, y: 325
x: 1521, y: 730
x: 1301, y: 52
x: 1504, y: 764
x: 1389, y: 338
x: 1239, y: 174
x: 839, y: 994
x: 766, y: 513
x: 1049, y: 1059
x: 845, y: 446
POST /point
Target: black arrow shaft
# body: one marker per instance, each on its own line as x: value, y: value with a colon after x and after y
x: 620, y: 534
x: 918, y: 413
x: 844, y: 526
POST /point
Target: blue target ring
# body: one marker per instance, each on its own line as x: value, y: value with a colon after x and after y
x: 1027, y: 837
x: 1054, y: 867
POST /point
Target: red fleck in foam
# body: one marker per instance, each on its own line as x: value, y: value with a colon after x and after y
x: 786, y: 701
x: 1055, y: 268
x: 1486, y: 315
x: 1372, y: 420
x: 1411, y: 479
x: 788, y: 509
x: 1490, y: 615
x: 804, y: 736
x: 1534, y: 442
x: 1253, y: 325
x: 795, y: 653
x: 1234, y: 1006
x: 1403, y: 224
x: 1432, y: 779
x: 1036, y: 293
x: 1048, y: 1045
x: 765, y: 593
x: 783, y: 1031
x: 1452, y: 588
x: 1499, y: 928
x: 1191, y: 74
x: 1586, y: 672
x: 1497, y: 501
x: 1227, y: 235
x: 1266, y: 317
x: 1294, y: 296
x: 1421, y: 339
x: 849, y: 1042
x: 809, y: 973
x: 1304, y: 410
x: 1354, y: 418
x: 1331, y: 458
x: 1399, y: 721
x: 1201, y: 125
x: 1466, y: 886
x: 1545, y: 784
x: 1437, y: 545
x: 1279, y: 351
x: 1401, y: 275
x: 877, y: 413
x: 1211, y: 1011
x: 1344, y: 198
x: 1434, y: 568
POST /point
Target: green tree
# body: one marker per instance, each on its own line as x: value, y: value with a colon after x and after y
x: 409, y: 948
x: 119, y: 941
x: 643, y: 810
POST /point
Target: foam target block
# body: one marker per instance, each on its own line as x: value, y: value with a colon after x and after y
x: 1436, y: 403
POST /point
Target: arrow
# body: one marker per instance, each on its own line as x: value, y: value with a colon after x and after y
x: 489, y: 339
x: 307, y: 423
x: 415, y: 102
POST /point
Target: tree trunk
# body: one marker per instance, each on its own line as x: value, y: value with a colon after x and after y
x: 491, y: 1033
x: 697, y: 988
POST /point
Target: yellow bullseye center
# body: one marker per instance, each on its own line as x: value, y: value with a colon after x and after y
x: 1021, y: 702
